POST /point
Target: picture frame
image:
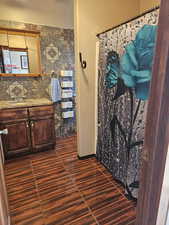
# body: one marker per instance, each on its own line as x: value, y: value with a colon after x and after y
x: 24, y: 62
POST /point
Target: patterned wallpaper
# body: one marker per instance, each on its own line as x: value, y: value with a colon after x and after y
x: 57, y: 53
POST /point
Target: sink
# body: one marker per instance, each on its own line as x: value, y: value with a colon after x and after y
x: 16, y: 103
x: 19, y: 101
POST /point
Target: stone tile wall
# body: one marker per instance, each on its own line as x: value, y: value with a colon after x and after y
x: 57, y: 53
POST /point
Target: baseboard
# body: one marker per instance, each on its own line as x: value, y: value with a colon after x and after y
x: 86, y: 157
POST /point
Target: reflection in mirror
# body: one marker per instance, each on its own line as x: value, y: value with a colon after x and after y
x: 14, y: 61
x: 19, y: 52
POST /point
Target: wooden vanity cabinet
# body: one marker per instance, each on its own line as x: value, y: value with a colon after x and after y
x: 29, y: 130
x: 18, y: 139
x: 42, y: 128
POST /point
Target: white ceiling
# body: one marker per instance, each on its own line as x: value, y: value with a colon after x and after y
x: 57, y: 13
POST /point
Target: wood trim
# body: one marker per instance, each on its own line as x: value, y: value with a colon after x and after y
x: 19, y: 31
x: 86, y: 157
x: 13, y: 48
x: 39, y: 55
x: 21, y: 75
x: 164, y: 200
x: 157, y: 128
x: 18, y: 49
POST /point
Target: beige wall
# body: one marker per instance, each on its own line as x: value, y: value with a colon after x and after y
x: 91, y: 17
x: 57, y: 13
x: 148, y: 4
x: 167, y: 222
x: 164, y: 201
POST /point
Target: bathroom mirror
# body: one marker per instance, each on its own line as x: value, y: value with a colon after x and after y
x: 19, y: 53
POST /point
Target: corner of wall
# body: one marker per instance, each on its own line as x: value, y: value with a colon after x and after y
x: 145, y: 5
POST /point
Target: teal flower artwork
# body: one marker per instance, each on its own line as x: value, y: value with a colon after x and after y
x: 136, y: 63
x: 135, y: 66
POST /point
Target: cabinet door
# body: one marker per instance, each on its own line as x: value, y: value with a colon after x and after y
x: 43, y: 133
x: 17, y: 141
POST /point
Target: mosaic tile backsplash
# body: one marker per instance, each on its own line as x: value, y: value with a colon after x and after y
x: 57, y: 53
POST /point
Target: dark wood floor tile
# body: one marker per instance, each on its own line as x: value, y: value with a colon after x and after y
x: 20, y: 204
x: 127, y: 220
x: 64, y: 186
x: 56, y: 195
x: 56, y: 188
x: 28, y: 220
x: 117, y: 213
x: 69, y: 160
x: 110, y: 178
x: 67, y: 155
x: 61, y: 201
x: 93, y: 185
x: 31, y: 209
x: 55, y: 170
x: 19, y: 187
x: 84, y: 220
x: 20, y: 178
x: 78, y: 165
x: 88, y: 175
x: 102, y: 198
x: 16, y: 165
x: 22, y: 198
x: 49, y: 179
x: 42, y: 155
x: 67, y: 215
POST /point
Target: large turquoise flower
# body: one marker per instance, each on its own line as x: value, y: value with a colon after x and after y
x: 136, y: 63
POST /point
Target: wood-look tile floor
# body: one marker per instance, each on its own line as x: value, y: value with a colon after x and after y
x: 55, y: 188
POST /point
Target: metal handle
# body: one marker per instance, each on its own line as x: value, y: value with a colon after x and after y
x: 32, y: 124
x: 5, y: 131
x: 27, y: 124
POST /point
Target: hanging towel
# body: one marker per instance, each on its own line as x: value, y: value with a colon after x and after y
x: 55, y: 90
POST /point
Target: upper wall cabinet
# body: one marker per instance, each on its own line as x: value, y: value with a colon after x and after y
x: 19, y: 53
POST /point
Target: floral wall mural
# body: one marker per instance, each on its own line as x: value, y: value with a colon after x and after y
x: 125, y: 71
x: 57, y: 53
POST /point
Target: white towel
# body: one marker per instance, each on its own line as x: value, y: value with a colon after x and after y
x: 55, y: 90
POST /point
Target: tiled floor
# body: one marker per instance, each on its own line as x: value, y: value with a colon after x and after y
x: 54, y: 188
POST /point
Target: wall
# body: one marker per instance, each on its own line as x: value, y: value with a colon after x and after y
x: 148, y: 4
x: 167, y: 222
x: 164, y: 201
x: 57, y: 53
x: 92, y: 17
x: 57, y: 13
x: 163, y: 218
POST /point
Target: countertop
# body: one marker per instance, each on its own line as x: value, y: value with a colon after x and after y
x: 25, y: 103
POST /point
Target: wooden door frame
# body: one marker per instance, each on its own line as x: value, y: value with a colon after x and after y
x: 157, y: 127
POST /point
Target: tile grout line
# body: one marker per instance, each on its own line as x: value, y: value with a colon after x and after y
x: 37, y: 192
x: 111, y: 181
x: 81, y: 195
x: 68, y: 161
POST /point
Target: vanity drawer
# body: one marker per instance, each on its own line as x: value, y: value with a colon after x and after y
x: 13, y: 114
x: 41, y: 111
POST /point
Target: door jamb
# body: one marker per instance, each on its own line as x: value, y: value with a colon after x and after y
x: 157, y: 128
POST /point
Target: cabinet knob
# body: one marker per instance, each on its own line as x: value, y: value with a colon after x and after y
x: 27, y: 124
x: 32, y: 124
